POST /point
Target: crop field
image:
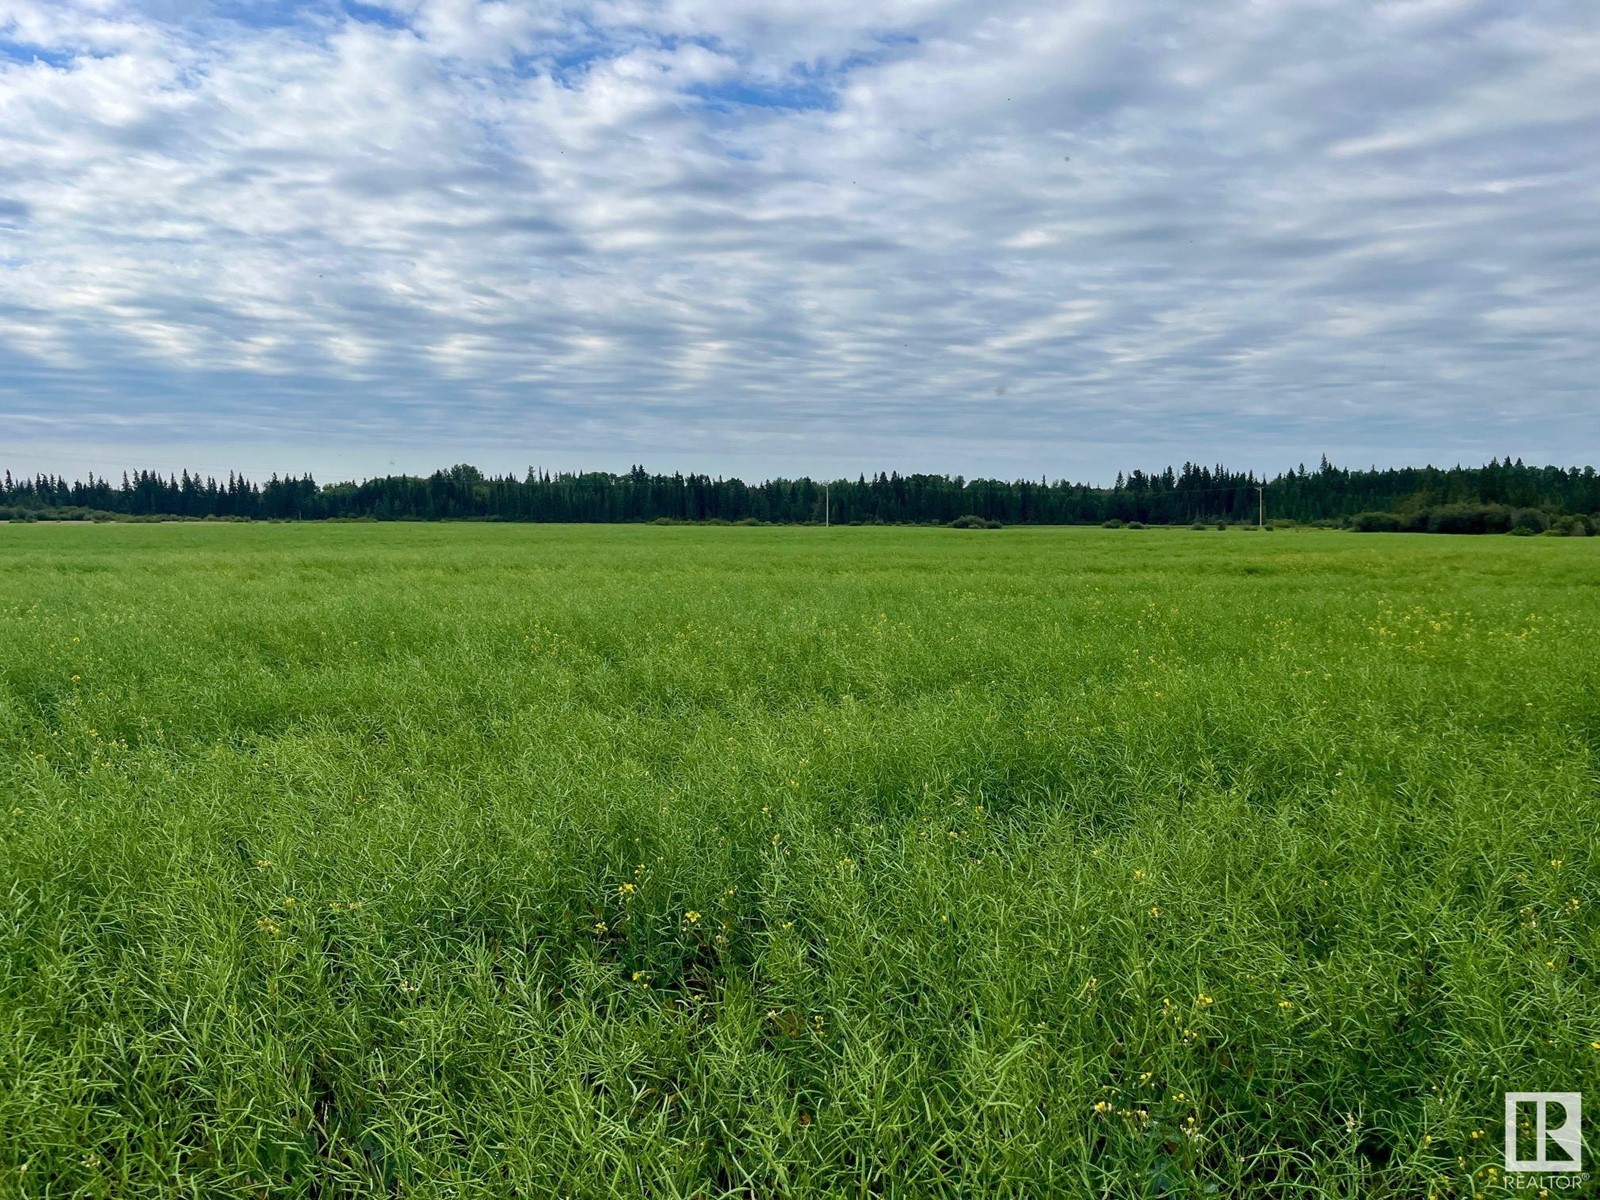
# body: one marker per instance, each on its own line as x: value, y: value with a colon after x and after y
x: 493, y: 861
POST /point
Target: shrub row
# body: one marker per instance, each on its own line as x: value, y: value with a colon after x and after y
x: 1475, y: 518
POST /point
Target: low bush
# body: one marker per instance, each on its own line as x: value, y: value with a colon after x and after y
x: 1469, y: 518
x: 1530, y: 519
x: 1375, y: 522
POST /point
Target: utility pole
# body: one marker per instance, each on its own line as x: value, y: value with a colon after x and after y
x: 1261, y: 500
x: 827, y: 507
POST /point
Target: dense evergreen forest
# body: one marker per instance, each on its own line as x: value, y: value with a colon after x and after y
x: 1492, y: 498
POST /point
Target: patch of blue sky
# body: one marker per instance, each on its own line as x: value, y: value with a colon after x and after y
x: 886, y: 46
x: 796, y: 94
x: 571, y: 63
x: 268, y: 14
x: 371, y: 14
x: 27, y: 52
x: 311, y: 16
x: 671, y: 41
x: 808, y: 86
x: 581, y: 46
x: 896, y: 37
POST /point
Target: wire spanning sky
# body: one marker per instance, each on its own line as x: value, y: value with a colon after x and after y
x: 797, y: 236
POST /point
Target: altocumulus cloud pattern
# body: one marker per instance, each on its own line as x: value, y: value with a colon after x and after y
x: 783, y: 234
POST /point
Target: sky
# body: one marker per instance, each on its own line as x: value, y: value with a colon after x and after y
x: 783, y: 237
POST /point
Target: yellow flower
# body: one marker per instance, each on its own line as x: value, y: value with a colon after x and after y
x: 1555, y: 863
x: 1102, y: 1106
x: 1285, y: 1004
x: 1205, y: 1000
x: 691, y: 916
x: 626, y: 889
x: 1155, y: 910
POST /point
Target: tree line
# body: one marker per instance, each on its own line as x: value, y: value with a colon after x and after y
x: 1193, y: 494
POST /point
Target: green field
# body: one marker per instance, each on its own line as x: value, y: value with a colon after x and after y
x: 482, y: 861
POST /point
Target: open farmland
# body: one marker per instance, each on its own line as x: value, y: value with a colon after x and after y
x: 481, y: 861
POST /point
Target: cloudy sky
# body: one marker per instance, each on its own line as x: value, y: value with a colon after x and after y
x: 797, y: 236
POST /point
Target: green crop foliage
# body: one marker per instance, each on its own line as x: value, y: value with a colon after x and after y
x: 492, y: 861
